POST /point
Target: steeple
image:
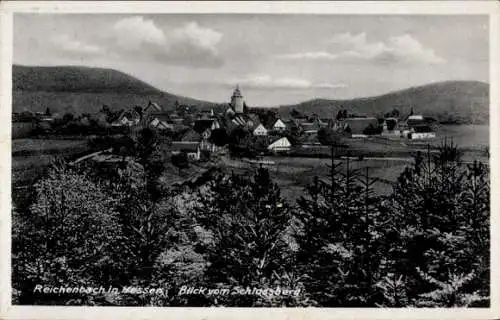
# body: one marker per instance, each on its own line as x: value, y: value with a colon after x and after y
x: 237, y: 100
x: 237, y: 92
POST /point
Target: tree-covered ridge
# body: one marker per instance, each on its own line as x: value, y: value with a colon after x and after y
x: 340, y: 245
x: 465, y: 102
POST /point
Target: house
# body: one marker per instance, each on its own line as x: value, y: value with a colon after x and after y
x: 127, y: 118
x: 152, y: 108
x: 161, y: 122
x: 390, y: 127
x: 260, y: 130
x: 205, y: 127
x: 191, y: 136
x: 300, y: 119
x: 192, y: 149
x: 279, y: 126
x: 310, y: 127
x: 422, y: 132
x: 415, y: 120
x: 415, y: 127
x: 280, y: 145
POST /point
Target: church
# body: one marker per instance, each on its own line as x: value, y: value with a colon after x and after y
x: 237, y: 104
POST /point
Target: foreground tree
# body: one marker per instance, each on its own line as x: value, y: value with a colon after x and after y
x: 339, y: 239
x: 248, y: 222
x: 440, y: 237
x: 70, y: 237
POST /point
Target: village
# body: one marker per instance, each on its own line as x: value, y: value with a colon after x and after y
x: 243, y: 132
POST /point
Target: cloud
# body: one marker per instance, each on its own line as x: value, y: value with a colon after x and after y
x: 134, y: 32
x: 188, y: 45
x: 268, y: 82
x: 74, y: 46
x: 319, y: 55
x: 403, y: 49
x: 139, y: 38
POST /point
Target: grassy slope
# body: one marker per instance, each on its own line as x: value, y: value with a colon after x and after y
x: 467, y: 101
x: 83, y: 89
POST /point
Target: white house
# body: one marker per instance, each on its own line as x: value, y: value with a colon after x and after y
x: 260, y: 130
x: 279, y: 125
x: 161, y: 123
x: 280, y: 145
x: 422, y: 135
x: 421, y: 132
x: 192, y: 149
x: 127, y: 118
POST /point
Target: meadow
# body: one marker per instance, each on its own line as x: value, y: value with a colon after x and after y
x: 293, y: 174
x: 30, y: 157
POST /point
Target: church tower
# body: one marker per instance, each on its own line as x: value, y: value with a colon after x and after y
x: 237, y: 100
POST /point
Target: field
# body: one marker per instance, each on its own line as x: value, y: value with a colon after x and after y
x: 293, y: 173
x: 30, y: 158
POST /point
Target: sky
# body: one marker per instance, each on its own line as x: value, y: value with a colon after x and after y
x: 275, y: 59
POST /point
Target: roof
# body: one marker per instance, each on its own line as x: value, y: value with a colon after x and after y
x: 415, y: 122
x: 191, y: 136
x: 279, y: 123
x: 260, y: 127
x: 161, y: 116
x: 153, y: 107
x: 422, y: 129
x: 237, y: 92
x: 416, y: 117
x: 358, y: 125
x: 308, y: 126
x: 240, y: 120
x: 185, y: 146
x: 202, y: 124
x: 280, y: 143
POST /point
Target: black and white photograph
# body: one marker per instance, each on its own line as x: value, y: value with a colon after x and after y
x: 250, y: 159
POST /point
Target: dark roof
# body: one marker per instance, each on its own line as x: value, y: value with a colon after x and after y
x: 161, y: 116
x: 203, y: 124
x: 185, y: 146
x: 308, y: 126
x: 423, y: 128
x: 153, y: 107
x: 191, y: 136
x: 415, y: 122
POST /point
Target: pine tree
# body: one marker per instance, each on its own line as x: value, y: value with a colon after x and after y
x: 338, y: 245
x: 439, y: 231
x: 248, y: 221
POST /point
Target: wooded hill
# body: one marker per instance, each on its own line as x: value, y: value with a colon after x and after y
x: 85, y: 90
x: 450, y: 101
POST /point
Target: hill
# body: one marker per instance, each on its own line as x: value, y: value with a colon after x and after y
x: 85, y: 89
x: 450, y: 101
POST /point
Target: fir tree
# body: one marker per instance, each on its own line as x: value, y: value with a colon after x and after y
x: 439, y: 234
x: 248, y: 221
x: 338, y: 243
